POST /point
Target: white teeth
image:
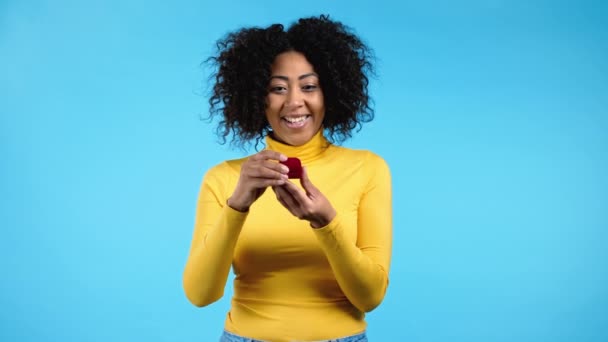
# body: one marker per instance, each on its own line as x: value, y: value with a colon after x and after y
x: 296, y: 120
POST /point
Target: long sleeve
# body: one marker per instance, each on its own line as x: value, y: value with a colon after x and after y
x: 216, y: 231
x: 361, y: 269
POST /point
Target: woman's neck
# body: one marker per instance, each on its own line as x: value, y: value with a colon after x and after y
x: 306, y: 152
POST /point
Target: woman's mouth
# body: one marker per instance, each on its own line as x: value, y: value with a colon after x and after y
x: 294, y: 121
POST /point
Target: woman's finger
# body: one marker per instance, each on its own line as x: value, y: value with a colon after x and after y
x: 268, y: 154
x: 276, y: 166
x: 287, y: 200
x: 260, y: 170
x: 279, y: 197
x: 264, y: 183
x: 307, y: 184
x: 299, y: 195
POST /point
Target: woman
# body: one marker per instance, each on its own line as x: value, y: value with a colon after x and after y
x: 310, y: 257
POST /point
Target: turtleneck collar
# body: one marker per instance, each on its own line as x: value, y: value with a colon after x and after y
x: 306, y: 153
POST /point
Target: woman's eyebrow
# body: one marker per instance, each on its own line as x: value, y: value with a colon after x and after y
x: 285, y: 78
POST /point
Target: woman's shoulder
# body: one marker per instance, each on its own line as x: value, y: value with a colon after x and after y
x: 365, y: 156
x: 226, y: 168
x: 369, y: 167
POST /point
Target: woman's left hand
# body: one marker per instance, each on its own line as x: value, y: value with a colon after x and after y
x: 310, y: 205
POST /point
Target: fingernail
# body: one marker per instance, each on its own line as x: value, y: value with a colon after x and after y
x: 282, y: 157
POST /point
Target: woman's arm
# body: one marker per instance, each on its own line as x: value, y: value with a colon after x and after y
x: 216, y: 230
x: 219, y: 221
x: 361, y: 269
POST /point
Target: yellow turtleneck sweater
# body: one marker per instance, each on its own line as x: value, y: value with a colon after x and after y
x: 294, y: 282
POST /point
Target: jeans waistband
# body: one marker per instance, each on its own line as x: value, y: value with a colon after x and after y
x: 230, y: 337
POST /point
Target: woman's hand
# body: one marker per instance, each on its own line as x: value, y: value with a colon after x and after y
x: 257, y: 173
x: 310, y: 205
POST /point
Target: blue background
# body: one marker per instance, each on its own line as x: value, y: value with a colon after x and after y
x: 493, y: 116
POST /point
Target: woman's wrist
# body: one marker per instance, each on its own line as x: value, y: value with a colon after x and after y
x: 234, y: 204
x: 323, y: 220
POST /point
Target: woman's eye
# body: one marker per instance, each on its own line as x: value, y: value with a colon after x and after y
x: 309, y: 87
x: 278, y: 89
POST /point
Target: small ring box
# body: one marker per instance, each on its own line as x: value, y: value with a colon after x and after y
x: 295, y: 167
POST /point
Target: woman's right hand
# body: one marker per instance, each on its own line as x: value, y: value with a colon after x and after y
x: 258, y: 172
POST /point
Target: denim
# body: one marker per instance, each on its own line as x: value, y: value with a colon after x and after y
x: 229, y: 337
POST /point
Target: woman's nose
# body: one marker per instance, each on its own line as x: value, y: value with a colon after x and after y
x: 294, y: 98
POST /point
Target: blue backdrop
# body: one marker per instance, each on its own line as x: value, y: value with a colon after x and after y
x: 493, y: 116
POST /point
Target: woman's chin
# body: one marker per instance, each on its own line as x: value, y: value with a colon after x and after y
x: 293, y: 139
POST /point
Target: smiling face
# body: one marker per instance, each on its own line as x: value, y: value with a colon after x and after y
x: 294, y: 104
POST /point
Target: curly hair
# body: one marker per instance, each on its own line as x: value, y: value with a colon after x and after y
x: 243, y: 63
